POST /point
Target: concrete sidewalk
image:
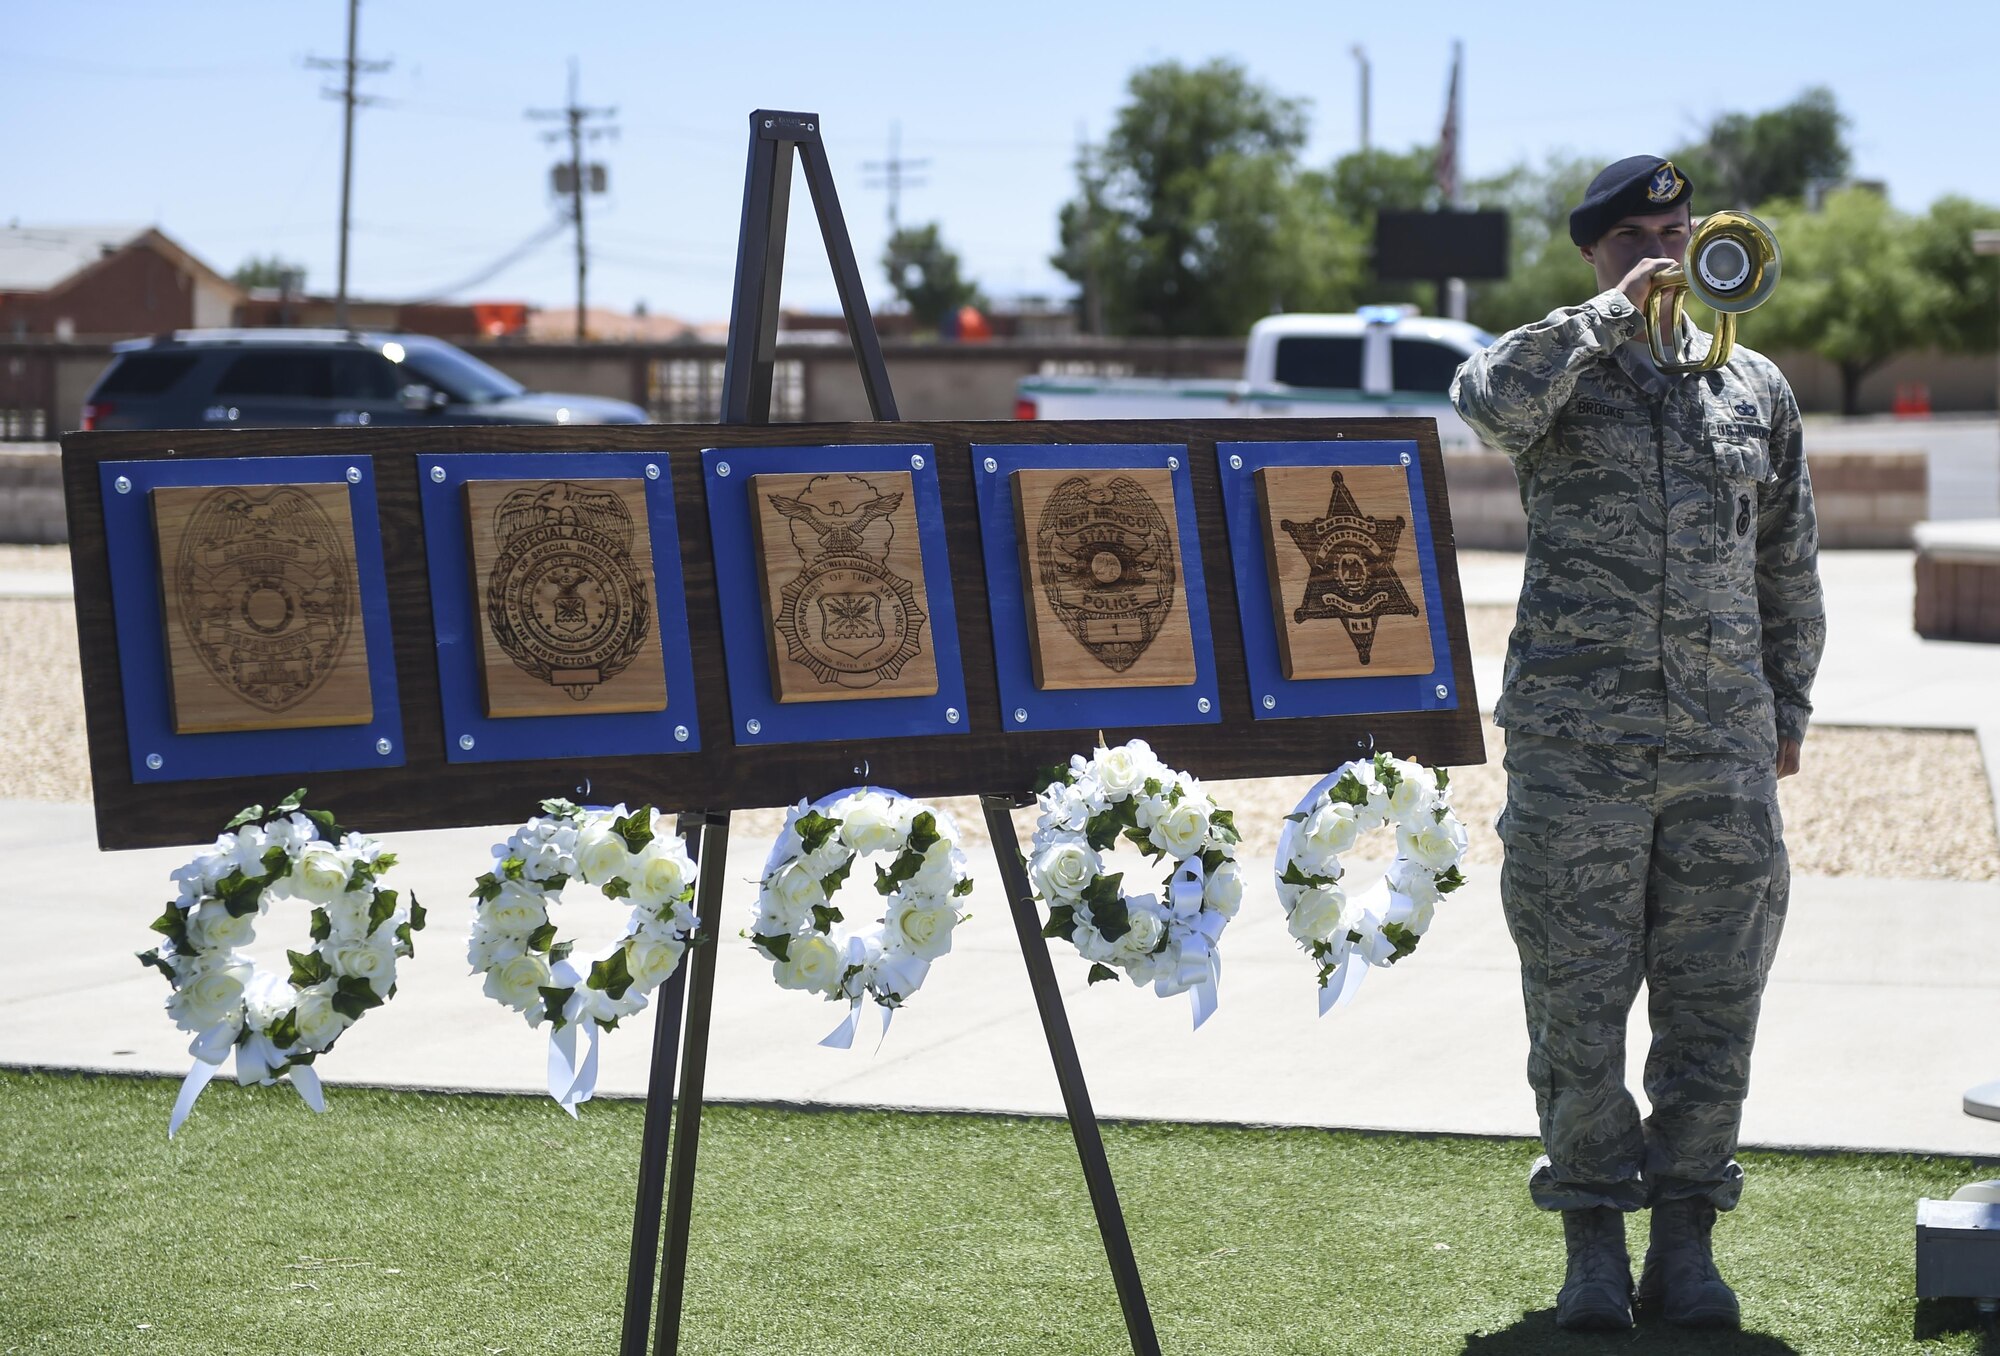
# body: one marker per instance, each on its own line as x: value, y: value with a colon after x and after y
x: 1884, y: 1008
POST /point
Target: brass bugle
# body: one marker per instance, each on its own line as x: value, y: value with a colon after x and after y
x: 1732, y: 267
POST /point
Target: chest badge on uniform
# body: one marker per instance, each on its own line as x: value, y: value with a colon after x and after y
x: 1746, y: 408
x: 1742, y: 514
x: 848, y: 619
x: 564, y: 599
x: 1351, y: 559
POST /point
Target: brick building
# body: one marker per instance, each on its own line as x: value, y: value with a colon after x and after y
x: 72, y: 282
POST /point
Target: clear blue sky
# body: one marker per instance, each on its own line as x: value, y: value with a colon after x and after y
x: 201, y: 118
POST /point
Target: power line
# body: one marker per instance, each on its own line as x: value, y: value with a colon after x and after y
x: 546, y: 232
x: 580, y: 178
x: 354, y: 68
x: 894, y: 174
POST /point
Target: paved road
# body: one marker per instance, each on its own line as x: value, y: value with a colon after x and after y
x: 1964, y: 454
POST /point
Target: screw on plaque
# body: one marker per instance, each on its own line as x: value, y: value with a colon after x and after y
x: 1406, y: 459
x: 1442, y: 692
x: 1270, y: 702
x: 1235, y: 462
x: 122, y: 485
x: 354, y: 475
x: 437, y: 475
x: 754, y: 726
x: 155, y: 762
x: 652, y: 470
x: 951, y: 715
x: 1020, y: 715
x: 384, y: 747
x: 466, y: 741
x: 722, y: 468
x: 991, y: 465
x: 681, y: 733
x: 1173, y: 463
x: 1202, y: 706
x: 917, y: 462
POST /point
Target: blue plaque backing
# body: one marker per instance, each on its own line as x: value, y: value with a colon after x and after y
x: 1023, y: 706
x: 1239, y: 464
x: 454, y: 598
x: 145, y: 671
x: 726, y: 474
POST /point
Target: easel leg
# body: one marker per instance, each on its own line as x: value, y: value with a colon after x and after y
x: 694, y: 1070
x: 1069, y: 1075
x: 653, y: 1142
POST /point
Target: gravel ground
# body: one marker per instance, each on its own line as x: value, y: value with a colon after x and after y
x: 1830, y: 830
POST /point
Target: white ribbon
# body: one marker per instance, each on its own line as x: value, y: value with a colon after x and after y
x: 1342, y: 984
x: 257, y: 1061
x: 571, y: 1082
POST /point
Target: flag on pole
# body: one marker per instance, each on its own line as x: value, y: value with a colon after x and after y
x: 1447, y: 151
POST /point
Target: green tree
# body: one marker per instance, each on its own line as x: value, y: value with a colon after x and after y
x: 1190, y: 219
x: 258, y: 271
x: 1363, y: 184
x: 1749, y: 158
x: 1968, y: 320
x: 926, y: 274
x: 1544, y: 269
x: 1854, y: 289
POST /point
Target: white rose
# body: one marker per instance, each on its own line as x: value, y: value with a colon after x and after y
x: 265, y: 999
x: 789, y: 899
x: 369, y: 958
x: 1182, y: 830
x: 650, y: 960
x: 939, y: 873
x: 1409, y: 879
x: 1063, y: 868
x: 347, y: 912
x: 212, y: 928
x: 514, y: 982
x: 489, y: 948
x: 1331, y: 830
x: 813, y: 963
x: 1121, y: 771
x: 1149, y: 810
x: 1224, y: 890
x: 517, y: 909
x: 659, y: 873
x: 208, y: 991
x: 869, y: 823
x: 1436, y: 845
x: 600, y: 852
x: 319, y: 1020
x: 245, y: 850
x: 920, y: 927
x: 1145, y: 928
x: 320, y: 873
x: 1317, y: 914
x: 1416, y: 792
x: 292, y: 833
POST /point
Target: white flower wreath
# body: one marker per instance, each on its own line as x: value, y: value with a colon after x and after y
x: 795, y: 926
x: 222, y: 995
x: 1384, y: 924
x: 635, y: 856
x: 1168, y: 941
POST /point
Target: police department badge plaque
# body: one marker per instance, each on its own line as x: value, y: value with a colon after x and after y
x: 1101, y: 578
x: 262, y: 603
x: 567, y: 614
x: 843, y: 586
x: 1344, y: 576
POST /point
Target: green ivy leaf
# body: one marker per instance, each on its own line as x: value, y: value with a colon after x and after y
x: 1225, y: 820
x: 284, y: 1031
x: 1100, y: 972
x: 1110, y: 915
x: 417, y: 915
x: 1404, y: 940
x: 825, y: 916
x: 814, y: 829
x: 611, y: 974
x: 381, y: 909
x: 560, y: 952
x: 404, y: 945
x: 542, y: 938
x: 779, y: 944
x: 924, y: 834
x: 618, y: 888
x: 962, y: 889
x: 557, y: 808
x: 1348, y: 790
x: 1294, y: 875
x: 170, y: 922
x: 1444, y: 779
x: 838, y: 876
x: 554, y: 882
x: 158, y: 962
x: 322, y: 926
x: 1055, y: 774
x: 308, y: 968
x: 486, y: 888
x: 636, y: 829
x: 1062, y: 922
x: 329, y: 828
x: 553, y: 1003
x: 1450, y: 880
x: 276, y: 862
x: 512, y: 868
x: 289, y: 804
x: 248, y: 814
x: 354, y: 995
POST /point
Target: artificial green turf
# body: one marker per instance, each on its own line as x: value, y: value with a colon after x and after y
x: 403, y: 1222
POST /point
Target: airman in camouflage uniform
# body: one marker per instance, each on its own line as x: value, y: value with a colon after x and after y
x: 1656, y: 687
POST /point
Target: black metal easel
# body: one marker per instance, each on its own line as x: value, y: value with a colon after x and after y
x: 746, y: 399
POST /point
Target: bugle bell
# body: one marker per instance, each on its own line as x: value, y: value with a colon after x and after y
x: 1732, y: 266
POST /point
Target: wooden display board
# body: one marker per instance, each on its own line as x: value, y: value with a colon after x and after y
x: 261, y: 598
x: 567, y: 619
x: 1100, y: 566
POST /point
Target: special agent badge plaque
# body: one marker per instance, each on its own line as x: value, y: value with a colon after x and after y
x: 1100, y: 570
x: 262, y: 602
x: 1344, y: 572
x: 567, y: 614
x: 843, y: 586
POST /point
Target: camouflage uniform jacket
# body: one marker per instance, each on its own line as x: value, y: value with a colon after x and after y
x: 1672, y: 592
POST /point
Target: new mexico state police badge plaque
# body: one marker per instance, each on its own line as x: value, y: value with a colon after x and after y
x: 567, y: 612
x: 1343, y: 569
x: 1100, y: 574
x: 843, y: 586
x: 262, y: 603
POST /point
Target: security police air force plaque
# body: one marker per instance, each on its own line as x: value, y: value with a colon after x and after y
x: 843, y: 586
x: 567, y: 614
x: 1100, y: 573
x: 262, y: 603
x: 1345, y: 582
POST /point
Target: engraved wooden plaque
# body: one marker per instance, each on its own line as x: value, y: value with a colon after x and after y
x: 1346, y: 586
x: 568, y: 619
x: 1101, y: 578
x: 846, y: 614
x: 261, y: 597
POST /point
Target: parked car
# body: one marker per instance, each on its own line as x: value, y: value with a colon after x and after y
x: 275, y: 378
x: 1380, y: 360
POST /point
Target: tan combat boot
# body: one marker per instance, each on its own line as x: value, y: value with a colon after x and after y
x: 1679, y: 1278
x: 1596, y: 1293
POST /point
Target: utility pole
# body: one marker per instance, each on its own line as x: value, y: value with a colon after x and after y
x: 1087, y: 177
x: 1361, y: 59
x: 894, y: 175
x: 354, y: 68
x: 579, y: 178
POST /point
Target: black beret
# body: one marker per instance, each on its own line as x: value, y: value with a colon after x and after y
x: 1636, y: 186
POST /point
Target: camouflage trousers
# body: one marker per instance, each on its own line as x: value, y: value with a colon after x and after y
x: 1627, y: 863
